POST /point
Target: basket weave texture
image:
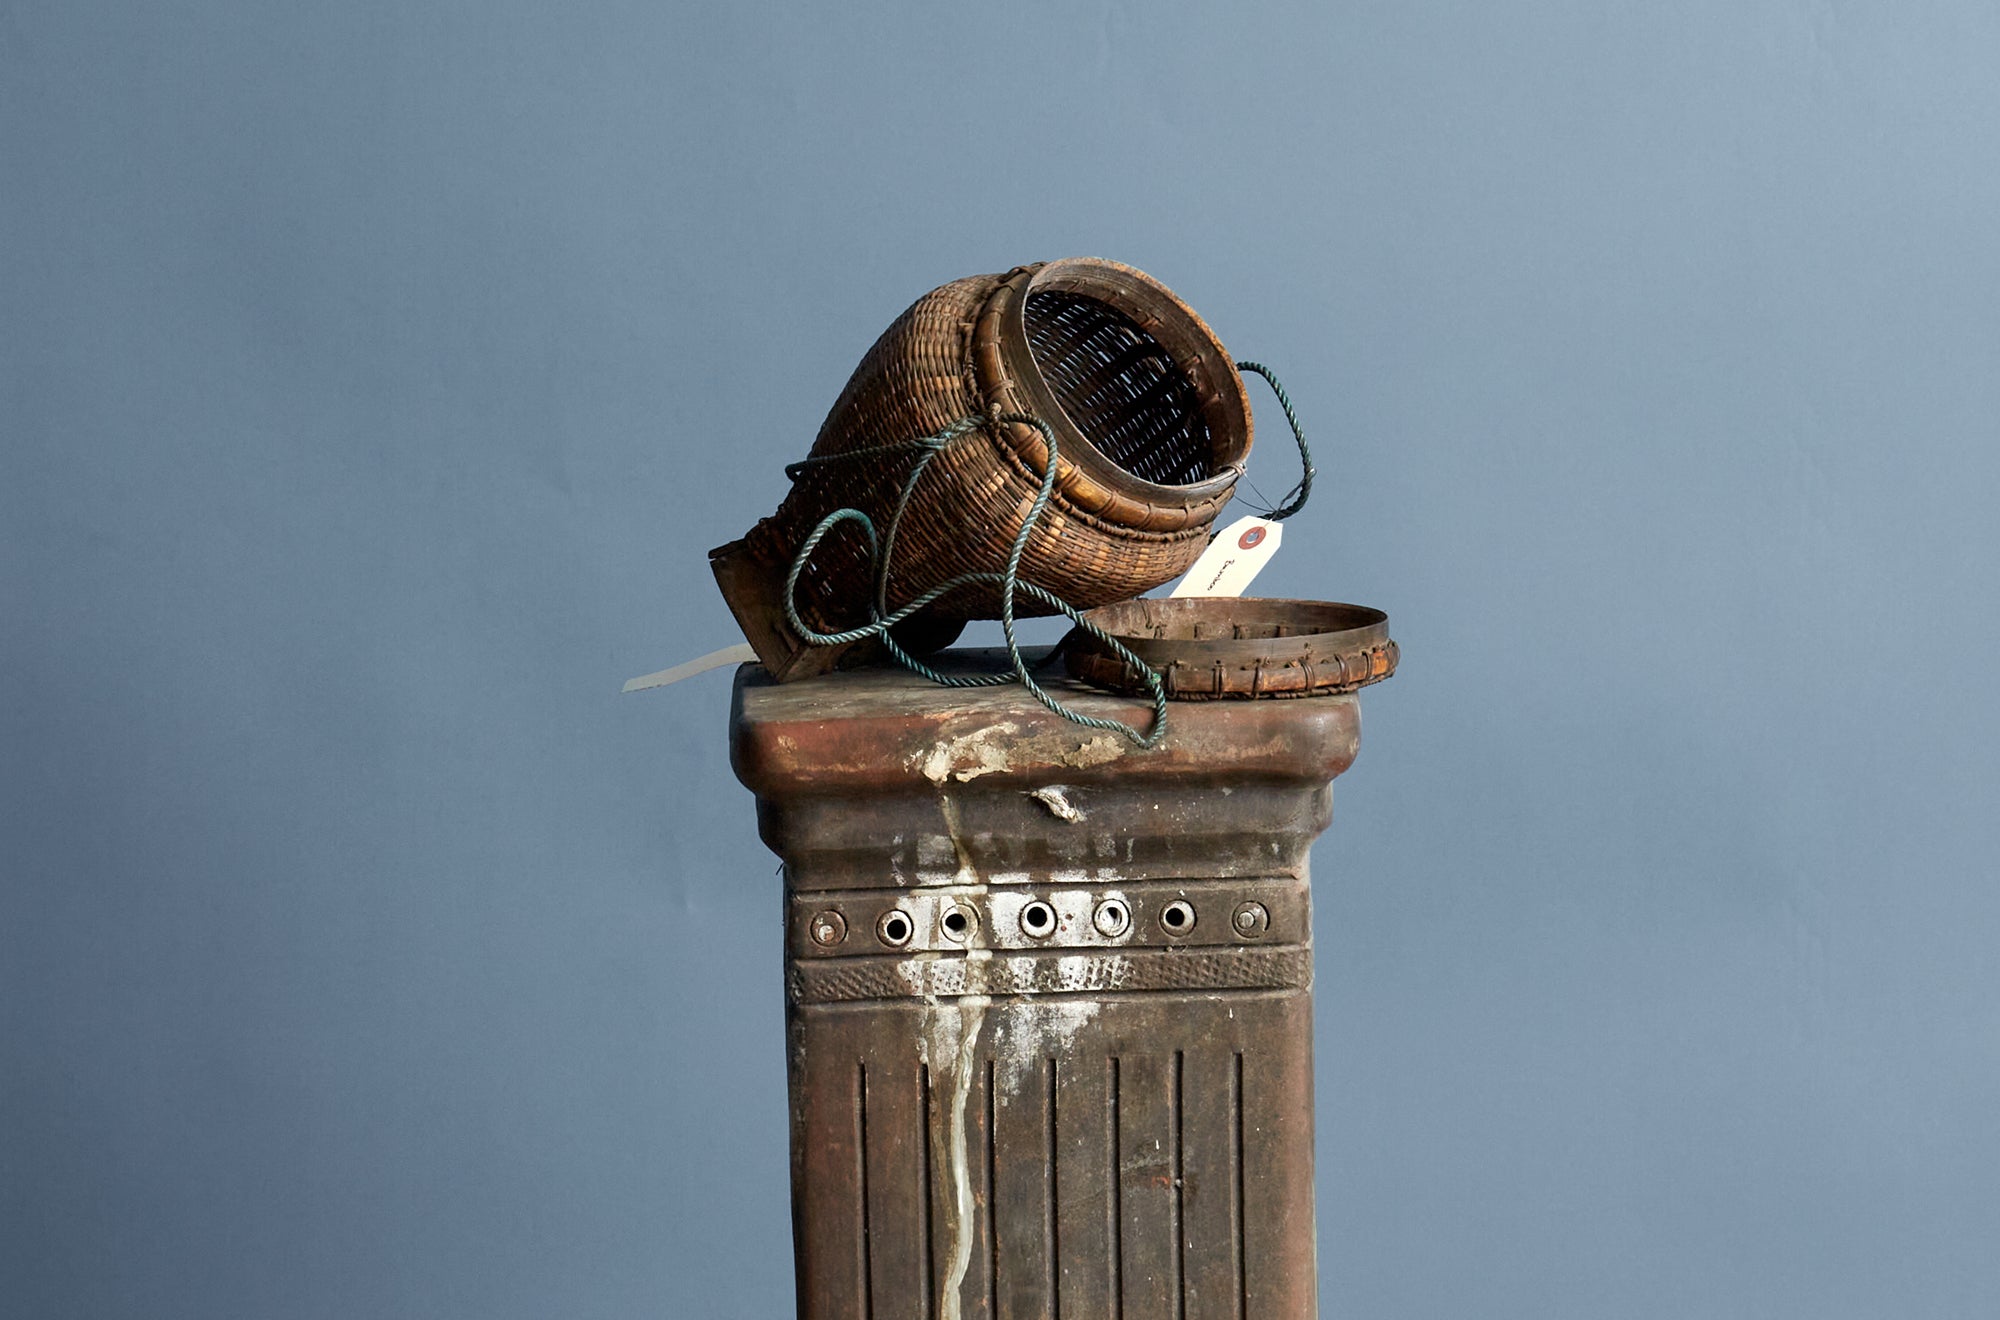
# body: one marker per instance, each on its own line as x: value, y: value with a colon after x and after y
x: 1152, y: 432
x: 1206, y: 647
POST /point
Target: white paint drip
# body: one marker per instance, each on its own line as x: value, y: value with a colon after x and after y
x: 967, y: 873
x: 968, y: 1015
x: 973, y: 1006
x: 1027, y: 1033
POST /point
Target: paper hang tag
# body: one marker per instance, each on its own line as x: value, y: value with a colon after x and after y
x: 1237, y: 554
x: 728, y: 655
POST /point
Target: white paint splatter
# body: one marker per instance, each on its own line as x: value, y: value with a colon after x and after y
x: 1035, y: 1032
x: 970, y: 755
x: 1056, y: 798
x: 1096, y: 751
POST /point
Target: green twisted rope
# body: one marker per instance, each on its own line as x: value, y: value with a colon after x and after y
x: 882, y: 619
x: 1295, y: 498
x: 882, y: 550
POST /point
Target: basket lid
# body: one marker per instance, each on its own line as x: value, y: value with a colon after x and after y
x: 1224, y: 646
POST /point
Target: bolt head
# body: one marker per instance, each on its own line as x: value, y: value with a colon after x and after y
x: 1250, y: 919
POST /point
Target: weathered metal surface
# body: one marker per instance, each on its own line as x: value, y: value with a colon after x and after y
x: 1049, y: 998
x: 1213, y: 646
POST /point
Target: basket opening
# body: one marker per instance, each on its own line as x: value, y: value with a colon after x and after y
x: 1120, y: 388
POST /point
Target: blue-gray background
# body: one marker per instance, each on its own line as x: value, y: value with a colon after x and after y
x: 375, y: 375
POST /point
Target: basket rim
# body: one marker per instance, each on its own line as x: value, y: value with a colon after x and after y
x: 1340, y: 648
x: 1318, y: 625
x: 1009, y: 376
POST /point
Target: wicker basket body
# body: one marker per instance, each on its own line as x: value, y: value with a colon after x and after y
x: 1152, y: 431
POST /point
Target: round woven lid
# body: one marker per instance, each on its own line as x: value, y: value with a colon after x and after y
x: 1223, y: 646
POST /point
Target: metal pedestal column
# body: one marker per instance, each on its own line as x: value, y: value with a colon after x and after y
x: 1049, y: 997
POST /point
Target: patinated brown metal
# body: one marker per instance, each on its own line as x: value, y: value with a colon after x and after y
x: 1210, y: 646
x: 1049, y: 997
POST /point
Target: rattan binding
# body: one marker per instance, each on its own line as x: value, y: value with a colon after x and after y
x: 1209, y: 647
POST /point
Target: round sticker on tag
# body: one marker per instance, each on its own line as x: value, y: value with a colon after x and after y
x: 1250, y: 538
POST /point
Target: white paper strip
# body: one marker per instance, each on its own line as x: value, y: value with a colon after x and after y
x: 728, y: 655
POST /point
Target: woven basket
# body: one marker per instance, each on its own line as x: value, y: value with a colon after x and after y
x: 1152, y: 430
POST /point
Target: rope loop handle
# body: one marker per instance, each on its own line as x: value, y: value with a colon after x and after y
x: 1295, y: 499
